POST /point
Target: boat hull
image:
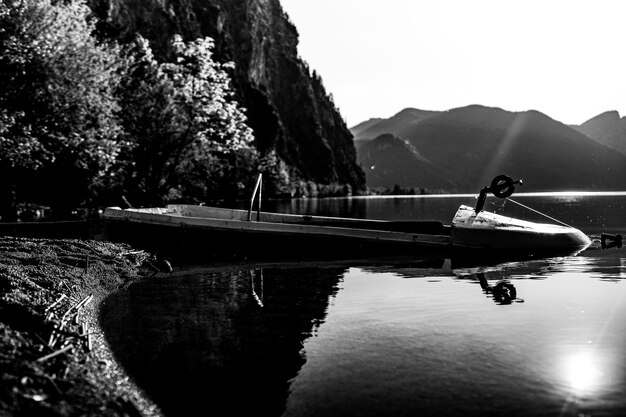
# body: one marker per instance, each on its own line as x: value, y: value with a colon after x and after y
x: 209, y: 232
x: 188, y: 231
x: 490, y: 231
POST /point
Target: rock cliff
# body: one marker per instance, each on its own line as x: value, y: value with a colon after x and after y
x: 287, y: 105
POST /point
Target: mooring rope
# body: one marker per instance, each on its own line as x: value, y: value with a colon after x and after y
x: 538, y: 212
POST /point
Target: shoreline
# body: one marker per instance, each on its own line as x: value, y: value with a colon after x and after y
x: 55, y: 359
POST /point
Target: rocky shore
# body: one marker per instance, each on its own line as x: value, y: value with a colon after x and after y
x: 54, y: 359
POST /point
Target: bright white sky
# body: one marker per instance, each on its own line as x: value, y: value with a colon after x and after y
x: 565, y: 58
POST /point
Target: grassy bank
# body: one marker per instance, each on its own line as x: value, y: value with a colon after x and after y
x: 54, y: 360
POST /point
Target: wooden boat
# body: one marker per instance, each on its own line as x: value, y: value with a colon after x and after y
x: 224, y: 230
x: 229, y: 230
x: 485, y: 230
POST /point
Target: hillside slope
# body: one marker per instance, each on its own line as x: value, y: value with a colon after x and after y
x: 403, y: 120
x: 607, y: 129
x: 389, y: 161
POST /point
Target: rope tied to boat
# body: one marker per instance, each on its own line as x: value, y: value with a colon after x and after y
x: 503, y: 186
x: 538, y: 212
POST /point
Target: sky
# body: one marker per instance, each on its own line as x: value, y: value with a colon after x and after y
x: 564, y: 58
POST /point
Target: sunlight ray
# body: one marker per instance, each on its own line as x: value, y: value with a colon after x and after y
x: 507, y: 143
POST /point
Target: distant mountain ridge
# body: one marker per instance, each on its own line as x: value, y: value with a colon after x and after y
x: 363, y: 126
x: 461, y: 149
x: 608, y: 129
x: 405, y: 119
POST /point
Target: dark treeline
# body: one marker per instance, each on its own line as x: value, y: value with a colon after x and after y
x: 87, y: 122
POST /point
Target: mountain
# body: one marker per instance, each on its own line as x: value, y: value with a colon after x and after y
x: 466, y: 147
x: 287, y: 105
x: 608, y: 129
x: 395, y: 125
x: 363, y: 126
x: 389, y: 160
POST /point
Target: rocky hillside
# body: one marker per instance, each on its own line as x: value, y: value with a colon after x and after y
x: 460, y: 150
x: 288, y: 107
x: 608, y: 129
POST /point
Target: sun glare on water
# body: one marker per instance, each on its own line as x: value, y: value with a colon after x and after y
x: 583, y: 373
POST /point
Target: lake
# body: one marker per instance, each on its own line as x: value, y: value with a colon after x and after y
x: 416, y: 336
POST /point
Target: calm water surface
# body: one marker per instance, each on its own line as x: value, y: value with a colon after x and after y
x: 380, y: 337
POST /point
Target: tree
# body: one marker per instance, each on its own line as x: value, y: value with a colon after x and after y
x: 186, y: 133
x: 58, y: 113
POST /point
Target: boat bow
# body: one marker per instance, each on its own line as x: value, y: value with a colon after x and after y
x: 486, y: 230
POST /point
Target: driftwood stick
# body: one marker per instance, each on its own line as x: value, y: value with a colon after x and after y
x: 130, y: 252
x: 55, y: 333
x: 85, y: 301
x: 66, y: 318
x: 52, y: 340
x: 51, y: 306
x: 77, y: 306
x: 56, y: 353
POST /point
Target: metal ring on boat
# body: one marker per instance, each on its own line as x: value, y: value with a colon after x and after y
x: 502, y: 186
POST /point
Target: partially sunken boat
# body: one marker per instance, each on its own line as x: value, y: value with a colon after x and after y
x: 220, y: 230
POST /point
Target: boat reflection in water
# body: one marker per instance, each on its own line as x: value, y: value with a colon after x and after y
x: 379, y: 338
x: 503, y: 292
x: 228, y: 340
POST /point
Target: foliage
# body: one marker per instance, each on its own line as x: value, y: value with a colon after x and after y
x: 85, y: 121
x: 18, y: 147
x: 58, y: 112
x: 186, y: 134
x: 278, y: 180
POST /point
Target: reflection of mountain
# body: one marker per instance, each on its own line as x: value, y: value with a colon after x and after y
x: 204, y: 343
x: 461, y: 149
